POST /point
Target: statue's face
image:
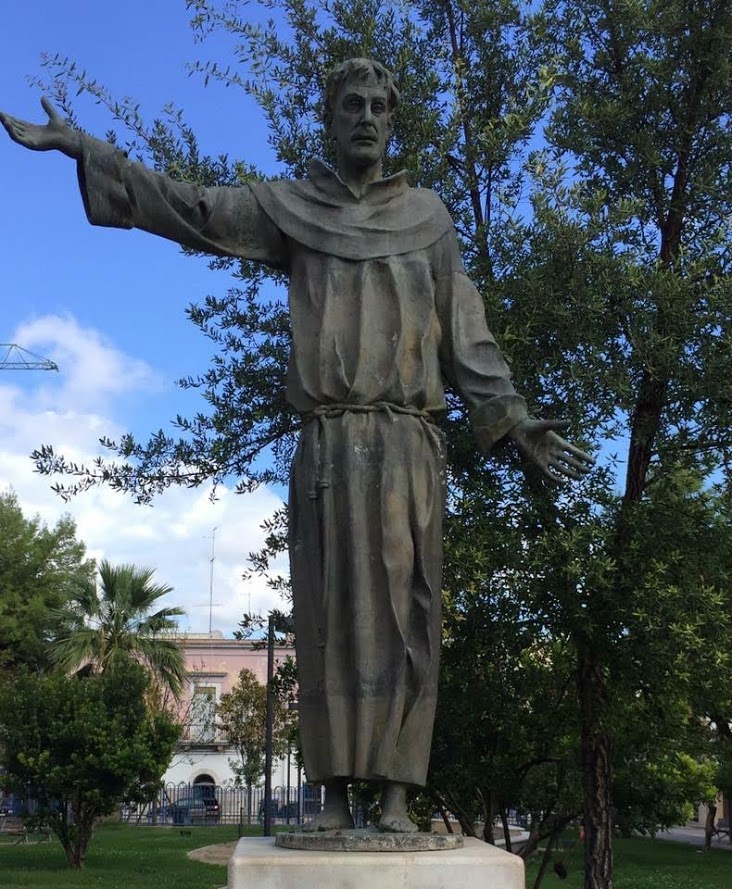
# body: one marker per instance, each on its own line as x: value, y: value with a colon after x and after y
x: 361, y: 123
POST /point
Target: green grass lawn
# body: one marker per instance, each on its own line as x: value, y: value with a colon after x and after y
x: 123, y: 856
x: 642, y: 863
x: 120, y: 856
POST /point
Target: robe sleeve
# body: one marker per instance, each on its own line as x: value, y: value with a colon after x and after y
x: 224, y: 220
x: 470, y: 358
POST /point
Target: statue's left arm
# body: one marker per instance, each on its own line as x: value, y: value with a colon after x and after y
x: 473, y: 364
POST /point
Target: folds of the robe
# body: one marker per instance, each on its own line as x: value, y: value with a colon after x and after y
x: 366, y: 504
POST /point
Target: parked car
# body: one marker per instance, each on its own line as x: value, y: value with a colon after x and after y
x: 11, y: 805
x: 196, y: 808
x: 281, y: 810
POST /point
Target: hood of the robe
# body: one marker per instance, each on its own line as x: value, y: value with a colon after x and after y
x: 322, y: 213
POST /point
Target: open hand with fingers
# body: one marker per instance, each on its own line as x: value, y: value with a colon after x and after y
x: 53, y: 136
x: 538, y: 441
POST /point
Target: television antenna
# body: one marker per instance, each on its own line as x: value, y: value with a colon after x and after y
x: 211, y: 604
x: 211, y: 581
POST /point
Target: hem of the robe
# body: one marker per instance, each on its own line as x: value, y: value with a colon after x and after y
x: 369, y: 776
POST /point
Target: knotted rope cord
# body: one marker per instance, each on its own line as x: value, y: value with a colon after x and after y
x: 330, y: 411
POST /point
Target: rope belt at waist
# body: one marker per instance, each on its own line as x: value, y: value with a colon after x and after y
x: 385, y: 407
x: 331, y: 411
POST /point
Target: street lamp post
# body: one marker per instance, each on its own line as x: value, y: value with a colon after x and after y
x: 269, y: 728
x: 277, y: 623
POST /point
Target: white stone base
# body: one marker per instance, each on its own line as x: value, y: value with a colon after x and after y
x: 258, y: 864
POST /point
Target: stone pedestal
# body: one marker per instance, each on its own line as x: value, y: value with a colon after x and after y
x: 258, y: 864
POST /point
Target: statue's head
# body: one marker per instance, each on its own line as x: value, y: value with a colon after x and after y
x: 361, y: 99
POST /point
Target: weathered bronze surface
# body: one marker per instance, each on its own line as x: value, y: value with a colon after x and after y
x: 382, y: 313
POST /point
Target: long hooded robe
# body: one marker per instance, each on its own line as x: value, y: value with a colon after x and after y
x: 381, y: 312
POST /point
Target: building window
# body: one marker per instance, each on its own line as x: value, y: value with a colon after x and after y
x: 202, y: 726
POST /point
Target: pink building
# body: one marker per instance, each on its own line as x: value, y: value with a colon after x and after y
x: 214, y: 664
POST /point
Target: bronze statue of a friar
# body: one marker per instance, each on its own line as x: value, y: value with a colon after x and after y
x: 382, y: 315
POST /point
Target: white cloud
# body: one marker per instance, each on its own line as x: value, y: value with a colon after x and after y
x: 94, y: 370
x: 71, y: 411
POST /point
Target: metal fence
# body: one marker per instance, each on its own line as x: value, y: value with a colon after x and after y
x: 187, y: 804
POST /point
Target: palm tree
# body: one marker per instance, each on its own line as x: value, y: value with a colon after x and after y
x: 113, y: 619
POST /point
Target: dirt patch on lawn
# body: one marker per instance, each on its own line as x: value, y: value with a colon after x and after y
x: 219, y: 854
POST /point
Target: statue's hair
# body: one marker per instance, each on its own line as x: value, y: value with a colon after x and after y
x: 359, y: 70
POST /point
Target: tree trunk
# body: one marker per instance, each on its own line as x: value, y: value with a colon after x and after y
x: 596, y: 774
x: 66, y: 834
x: 709, y: 824
x: 506, y: 830
x: 489, y: 814
x: 466, y: 824
x: 446, y: 820
x: 78, y: 838
x: 69, y: 848
x: 545, y: 859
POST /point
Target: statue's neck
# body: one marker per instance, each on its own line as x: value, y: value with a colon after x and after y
x: 359, y: 178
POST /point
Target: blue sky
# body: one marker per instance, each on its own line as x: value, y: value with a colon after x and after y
x: 108, y: 306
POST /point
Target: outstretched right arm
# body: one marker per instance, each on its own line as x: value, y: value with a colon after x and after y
x: 116, y: 192
x: 53, y: 136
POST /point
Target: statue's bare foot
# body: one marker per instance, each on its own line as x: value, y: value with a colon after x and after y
x: 394, y: 818
x: 397, y: 823
x: 336, y: 814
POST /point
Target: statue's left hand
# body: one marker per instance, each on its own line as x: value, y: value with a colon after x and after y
x: 538, y: 441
